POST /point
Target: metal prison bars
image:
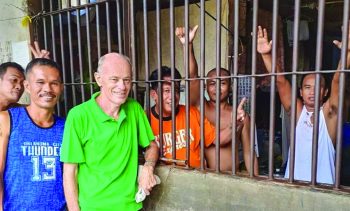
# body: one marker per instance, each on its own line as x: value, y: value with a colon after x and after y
x: 78, y: 34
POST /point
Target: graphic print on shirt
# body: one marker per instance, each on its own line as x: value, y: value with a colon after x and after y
x: 180, y: 140
x: 43, y: 157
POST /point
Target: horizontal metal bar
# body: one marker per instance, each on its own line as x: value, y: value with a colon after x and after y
x: 83, y: 6
x: 173, y: 160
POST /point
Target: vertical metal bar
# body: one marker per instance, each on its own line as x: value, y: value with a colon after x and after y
x: 133, y: 47
x: 53, y: 40
x: 108, y: 27
x: 71, y: 57
x: 202, y: 74
x: 63, y: 64
x: 44, y: 24
x: 126, y: 27
x: 120, y: 49
x: 218, y: 85
x: 294, y: 89
x: 187, y: 85
x: 344, y: 55
x: 160, y: 90
x: 273, y: 87
x: 172, y: 61
x: 98, y: 35
x: 53, y: 35
x: 88, y: 42
x: 79, y: 55
x: 319, y: 48
x: 145, y: 35
x: 234, y: 85
x: 253, y: 90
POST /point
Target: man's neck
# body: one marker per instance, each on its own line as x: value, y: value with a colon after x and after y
x: 164, y: 115
x: 223, y: 104
x: 4, y: 104
x: 109, y: 108
x: 311, y: 108
x: 41, y: 116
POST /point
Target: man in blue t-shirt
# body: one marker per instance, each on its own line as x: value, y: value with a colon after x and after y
x: 30, y: 140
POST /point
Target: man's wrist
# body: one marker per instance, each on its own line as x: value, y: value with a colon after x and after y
x: 150, y: 163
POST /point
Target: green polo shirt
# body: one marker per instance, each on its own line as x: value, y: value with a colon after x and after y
x: 106, y: 151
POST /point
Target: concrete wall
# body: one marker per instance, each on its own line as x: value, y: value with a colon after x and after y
x: 210, y: 37
x: 193, y: 190
x: 14, y: 36
x: 11, y: 28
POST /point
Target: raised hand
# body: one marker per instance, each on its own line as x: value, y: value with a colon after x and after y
x: 241, y: 114
x: 263, y: 44
x: 39, y: 53
x: 339, y: 44
x: 240, y: 110
x: 180, y: 33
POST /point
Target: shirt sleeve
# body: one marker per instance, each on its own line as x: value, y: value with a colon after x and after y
x: 145, y: 133
x: 72, y: 147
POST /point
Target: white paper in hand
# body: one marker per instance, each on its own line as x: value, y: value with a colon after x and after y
x: 141, y: 194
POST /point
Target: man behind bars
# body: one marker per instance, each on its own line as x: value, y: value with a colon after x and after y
x: 101, y: 141
x: 180, y: 115
x: 243, y: 126
x: 304, y: 113
x: 30, y: 137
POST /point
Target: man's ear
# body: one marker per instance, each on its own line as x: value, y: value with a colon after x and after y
x: 97, y: 76
x: 153, y: 94
x: 301, y: 93
x: 26, y: 86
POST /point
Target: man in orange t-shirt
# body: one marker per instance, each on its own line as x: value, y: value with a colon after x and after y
x: 194, y: 130
x: 180, y: 122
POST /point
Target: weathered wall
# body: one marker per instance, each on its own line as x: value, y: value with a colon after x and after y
x: 10, y: 24
x: 14, y: 36
x: 194, y: 19
x: 193, y: 190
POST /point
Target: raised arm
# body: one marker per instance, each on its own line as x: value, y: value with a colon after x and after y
x: 193, y: 67
x: 331, y: 106
x: 4, y: 135
x: 284, y: 88
x: 333, y: 98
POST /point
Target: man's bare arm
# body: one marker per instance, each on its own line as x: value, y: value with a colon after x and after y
x: 245, y: 139
x: 70, y: 186
x: 4, y: 135
x: 146, y: 178
x: 284, y: 87
x: 226, y: 134
x: 333, y: 98
x: 193, y: 67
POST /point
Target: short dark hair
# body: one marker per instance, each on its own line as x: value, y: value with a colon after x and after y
x: 42, y: 62
x: 4, y: 66
x: 222, y: 70
x: 164, y: 72
x: 323, y: 77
